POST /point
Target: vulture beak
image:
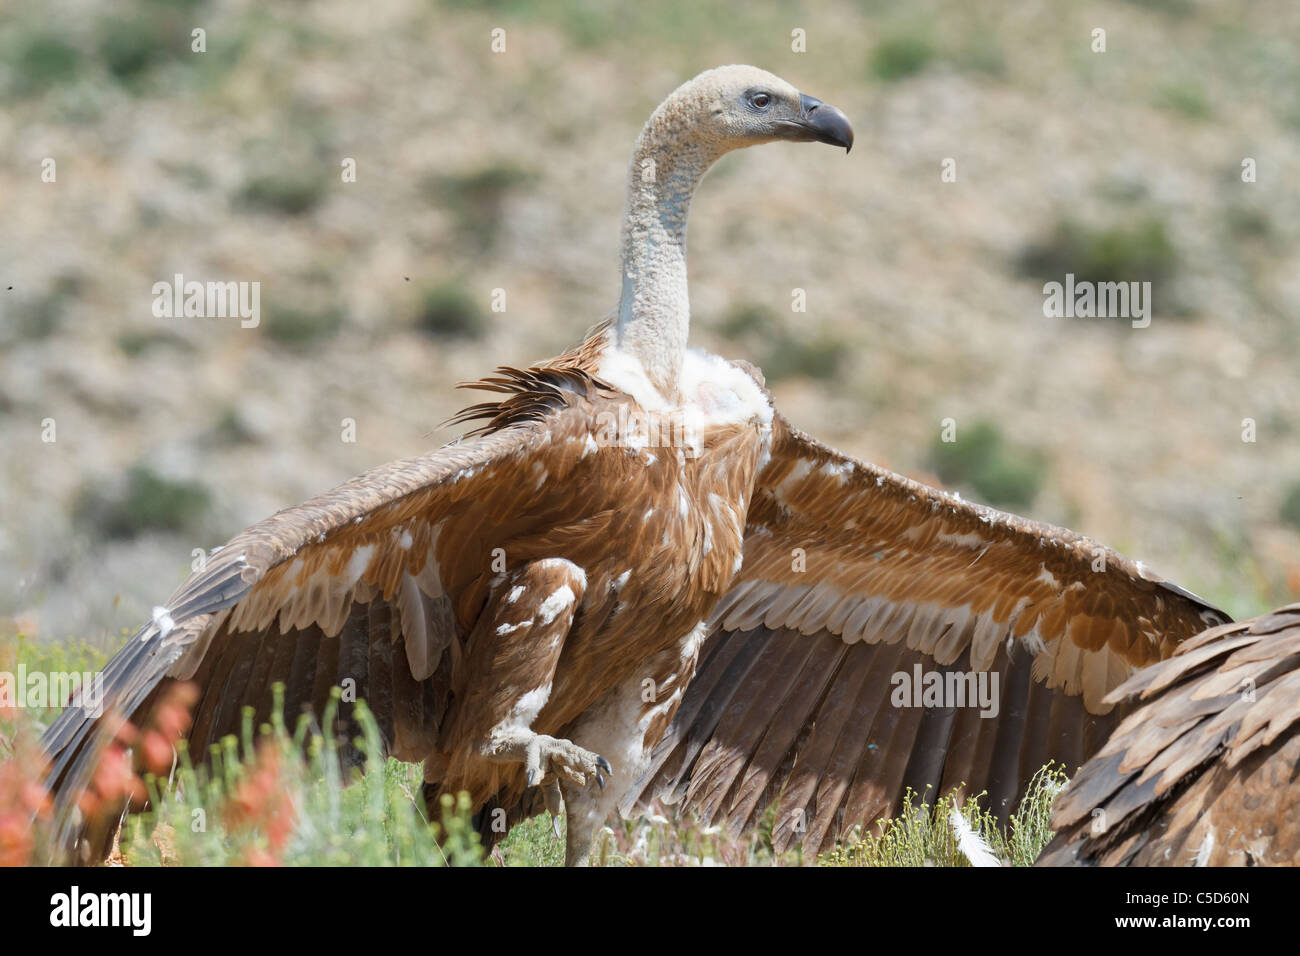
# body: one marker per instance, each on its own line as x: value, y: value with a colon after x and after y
x: 825, y: 124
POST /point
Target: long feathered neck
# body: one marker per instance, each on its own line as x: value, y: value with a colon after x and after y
x: 654, y: 314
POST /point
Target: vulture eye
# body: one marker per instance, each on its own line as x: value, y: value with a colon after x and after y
x: 760, y: 100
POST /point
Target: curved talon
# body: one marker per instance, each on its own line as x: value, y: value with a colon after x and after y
x: 550, y: 758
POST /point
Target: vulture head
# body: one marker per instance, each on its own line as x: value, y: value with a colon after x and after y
x: 738, y: 106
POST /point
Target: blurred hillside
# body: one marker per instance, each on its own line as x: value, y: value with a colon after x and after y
x: 478, y: 171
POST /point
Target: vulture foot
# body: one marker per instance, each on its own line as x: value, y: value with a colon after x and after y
x: 547, y: 759
x: 545, y: 756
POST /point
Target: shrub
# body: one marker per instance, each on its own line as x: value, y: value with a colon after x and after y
x: 448, y: 311
x: 144, y: 501
x: 297, y: 327
x: 282, y: 799
x: 980, y: 459
x: 816, y: 357
x: 1290, y: 510
x: 476, y: 199
x: 43, y: 61
x: 923, y: 834
x: 290, y: 192
x: 1141, y: 252
x: 900, y: 56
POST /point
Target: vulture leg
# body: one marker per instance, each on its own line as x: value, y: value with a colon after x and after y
x: 626, y: 723
x: 610, y: 725
x: 508, y: 672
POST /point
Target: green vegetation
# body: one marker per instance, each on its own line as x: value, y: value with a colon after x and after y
x: 1140, y: 252
x: 476, y: 200
x: 290, y: 191
x: 1172, y: 7
x: 272, y: 796
x: 44, y: 60
x: 815, y: 357
x: 533, y: 842
x: 229, y: 428
x: 144, y: 35
x: 1248, y: 222
x: 923, y: 835
x: 300, y: 327
x: 784, y: 350
x: 981, y: 460
x: 746, y: 318
x: 138, y: 342
x: 47, y: 657
x: 281, y: 799
x: 901, y: 55
x: 40, y: 315
x: 1290, y: 510
x: 449, y: 311
x: 673, y: 28
x: 1186, y: 98
x: 145, y: 501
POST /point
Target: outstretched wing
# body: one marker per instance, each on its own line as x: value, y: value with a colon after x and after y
x: 1203, y: 771
x: 376, y: 582
x: 857, y: 581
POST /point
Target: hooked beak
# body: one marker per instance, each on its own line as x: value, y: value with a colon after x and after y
x: 822, y: 124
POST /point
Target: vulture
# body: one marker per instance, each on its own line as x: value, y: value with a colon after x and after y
x: 632, y: 578
x: 1205, y: 769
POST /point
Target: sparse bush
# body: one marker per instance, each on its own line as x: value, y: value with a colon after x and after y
x: 448, y: 311
x: 1142, y: 252
x: 39, y: 316
x: 145, y: 501
x: 1247, y: 222
x: 290, y: 191
x: 1290, y: 510
x: 981, y: 460
x: 154, y: 32
x: 44, y: 60
x: 139, y: 342
x: 923, y: 834
x: 783, y: 352
x: 746, y: 318
x: 229, y: 429
x: 1186, y: 98
x: 297, y: 327
x: 476, y: 199
x: 901, y: 56
x: 793, y: 356
x: 281, y: 799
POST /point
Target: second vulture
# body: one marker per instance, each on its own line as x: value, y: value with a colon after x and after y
x: 634, y: 578
x: 1206, y: 769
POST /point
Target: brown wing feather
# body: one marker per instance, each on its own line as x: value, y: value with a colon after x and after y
x: 1203, y: 772
x: 356, y: 584
x: 879, y: 573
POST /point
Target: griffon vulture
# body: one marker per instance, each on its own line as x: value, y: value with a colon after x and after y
x: 525, y: 609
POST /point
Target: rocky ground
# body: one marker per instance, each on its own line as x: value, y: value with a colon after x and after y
x: 479, y: 170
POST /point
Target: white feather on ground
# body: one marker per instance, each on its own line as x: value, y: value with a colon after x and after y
x: 970, y: 843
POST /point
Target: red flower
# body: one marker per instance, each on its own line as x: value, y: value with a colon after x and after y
x: 261, y: 803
